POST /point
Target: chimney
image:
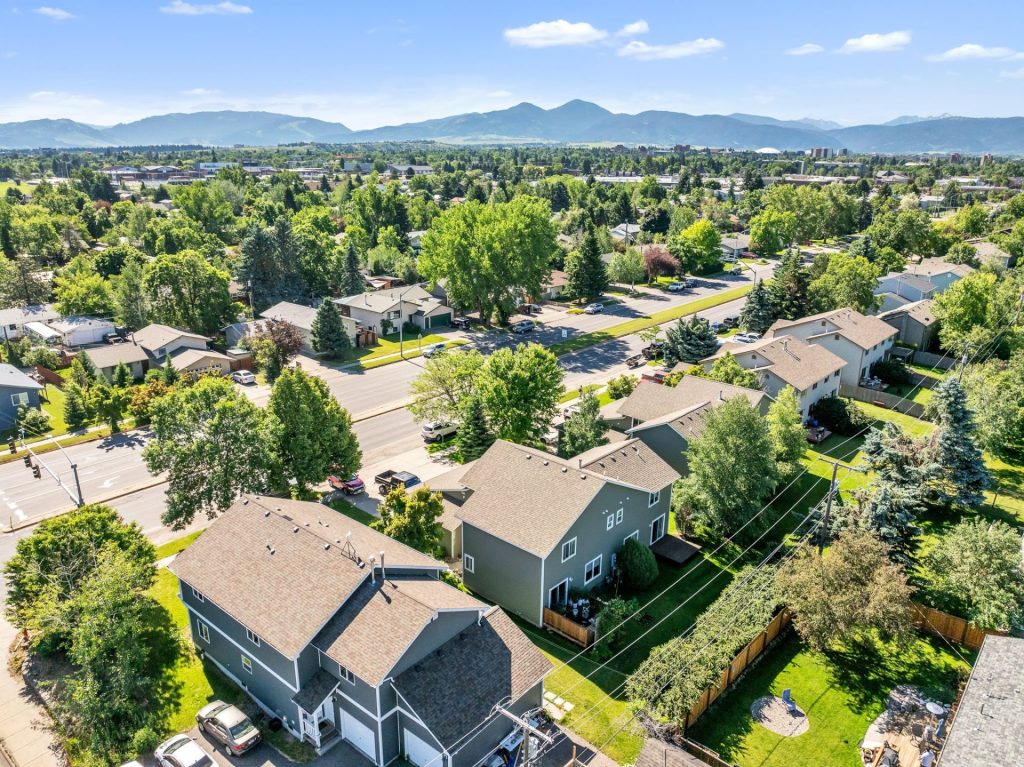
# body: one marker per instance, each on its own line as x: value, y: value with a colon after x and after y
x: 383, y: 574
x: 373, y: 576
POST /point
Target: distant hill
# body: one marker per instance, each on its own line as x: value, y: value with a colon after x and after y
x: 908, y: 119
x: 573, y: 122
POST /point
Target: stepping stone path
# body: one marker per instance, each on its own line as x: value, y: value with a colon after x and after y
x: 556, y: 707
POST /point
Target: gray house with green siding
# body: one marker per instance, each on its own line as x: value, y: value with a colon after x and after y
x: 345, y: 634
x: 535, y: 527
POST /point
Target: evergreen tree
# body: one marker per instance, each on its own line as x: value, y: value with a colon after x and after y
x: 122, y: 377
x: 689, y: 341
x: 474, y: 435
x: 585, y: 270
x: 259, y: 269
x: 758, y: 312
x: 584, y: 428
x: 83, y: 372
x: 328, y: 333
x: 76, y: 409
x: 954, y: 446
x: 325, y: 185
x: 168, y: 374
x: 889, y: 512
x: 293, y: 284
x: 788, y: 288
x: 352, y: 281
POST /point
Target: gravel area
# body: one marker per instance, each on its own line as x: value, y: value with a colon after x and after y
x: 770, y: 712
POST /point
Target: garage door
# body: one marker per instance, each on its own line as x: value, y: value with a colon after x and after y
x: 359, y: 735
x: 419, y: 752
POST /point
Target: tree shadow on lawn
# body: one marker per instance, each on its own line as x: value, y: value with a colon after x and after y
x: 168, y: 647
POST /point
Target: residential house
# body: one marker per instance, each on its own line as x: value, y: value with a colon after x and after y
x: 14, y: 319
x: 915, y: 323
x: 301, y: 318
x: 625, y: 232
x: 200, y: 361
x: 858, y: 340
x: 555, y: 524
x: 667, y: 418
x: 555, y: 285
x: 940, y: 272
x: 988, y: 721
x: 812, y: 370
x: 898, y: 289
x: 106, y: 358
x: 415, y: 238
x: 237, y: 332
x: 454, y: 493
x: 990, y: 253
x: 71, y: 331
x: 351, y: 639
x: 16, y: 389
x: 735, y: 245
x: 410, y: 170
x: 162, y: 340
x: 384, y: 311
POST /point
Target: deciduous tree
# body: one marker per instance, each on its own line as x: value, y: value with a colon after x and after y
x: 412, y: 518
x: 583, y: 429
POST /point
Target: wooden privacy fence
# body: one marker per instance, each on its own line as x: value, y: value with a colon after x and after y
x: 883, y: 399
x: 950, y: 627
x: 739, y: 664
x: 570, y: 629
x: 703, y: 753
x: 930, y: 360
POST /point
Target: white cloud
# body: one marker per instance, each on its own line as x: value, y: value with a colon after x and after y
x: 226, y: 8
x: 57, y: 14
x: 644, y: 52
x: 805, y: 50
x: 972, y: 51
x: 638, y: 27
x: 545, y: 34
x: 1013, y: 74
x: 199, y: 92
x: 876, y: 42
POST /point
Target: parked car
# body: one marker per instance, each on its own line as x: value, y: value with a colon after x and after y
x: 432, y: 350
x: 523, y: 326
x: 748, y: 338
x: 653, y: 350
x: 350, y: 485
x: 390, y: 480
x: 530, y: 308
x: 570, y: 411
x: 243, y: 377
x: 114, y: 338
x: 182, y: 751
x: 594, y: 308
x: 461, y: 323
x: 227, y: 725
x: 728, y: 259
x: 679, y: 287
x: 435, y: 431
x: 718, y: 327
x: 731, y: 322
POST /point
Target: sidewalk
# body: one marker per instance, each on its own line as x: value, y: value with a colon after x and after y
x: 23, y: 722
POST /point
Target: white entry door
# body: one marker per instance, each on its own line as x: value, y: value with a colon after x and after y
x: 419, y: 752
x: 359, y: 735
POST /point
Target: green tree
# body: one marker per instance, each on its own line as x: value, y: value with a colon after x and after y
x: 275, y: 346
x: 771, y: 231
x: 76, y: 408
x: 627, y: 268
x: 128, y: 291
x: 122, y: 376
x: 108, y: 403
x: 954, y: 447
x: 847, y: 282
x: 732, y: 468
x: 412, y: 518
x: 583, y: 429
x: 23, y: 282
x: 976, y: 572
x: 352, y: 280
x: 260, y: 269
x: 851, y: 593
x: 758, y: 312
x: 82, y: 371
x: 639, y: 567
x: 689, y: 340
x: 520, y: 389
x: 1000, y: 419
x: 585, y: 271
x: 611, y: 627
x: 788, y: 287
x: 727, y: 370
x: 977, y: 311
x: 185, y: 291
x: 786, y: 429
x: 698, y: 247
x: 963, y: 253
x: 474, y: 434
x: 80, y: 289
x: 311, y: 434
x: 207, y: 205
x: 446, y: 383
x: 213, y: 443
x: 328, y: 334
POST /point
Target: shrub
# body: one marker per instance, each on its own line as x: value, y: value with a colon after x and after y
x: 892, y: 372
x: 610, y: 625
x: 622, y: 386
x: 33, y: 421
x: 839, y: 415
x: 41, y: 355
x: 639, y: 567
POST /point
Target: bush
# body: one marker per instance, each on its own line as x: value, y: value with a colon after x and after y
x: 839, y: 416
x: 892, y: 372
x: 622, y: 386
x: 609, y: 625
x: 411, y: 330
x: 639, y: 567
x: 33, y: 421
x: 41, y: 355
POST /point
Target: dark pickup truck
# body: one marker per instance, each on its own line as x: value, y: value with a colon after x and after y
x: 654, y: 350
x: 392, y: 480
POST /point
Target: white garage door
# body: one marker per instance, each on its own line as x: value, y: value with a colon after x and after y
x: 421, y: 753
x: 359, y: 735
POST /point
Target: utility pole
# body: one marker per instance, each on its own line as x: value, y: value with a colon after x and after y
x: 75, y: 496
x: 523, y: 724
x: 832, y: 488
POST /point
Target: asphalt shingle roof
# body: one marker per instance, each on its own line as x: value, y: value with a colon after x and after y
x: 11, y: 377
x: 183, y: 358
x: 862, y: 330
x: 656, y: 753
x: 456, y: 687
x: 153, y: 337
x: 795, y: 362
x: 919, y: 310
x: 631, y: 462
x: 109, y: 356
x: 294, y: 314
x: 650, y: 400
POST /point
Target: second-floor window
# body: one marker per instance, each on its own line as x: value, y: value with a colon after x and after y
x: 592, y: 570
x: 252, y: 637
x: 468, y: 563
x: 204, y: 632
x: 347, y: 675
x: 198, y: 594
x: 247, y: 664
x: 609, y: 522
x: 568, y: 550
x: 654, y: 498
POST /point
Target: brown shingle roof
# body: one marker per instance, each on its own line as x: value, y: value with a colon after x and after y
x: 155, y: 336
x: 371, y: 633
x: 688, y: 423
x: 631, y: 462
x: 456, y: 687
x: 919, y: 310
x: 795, y: 362
x: 109, y: 356
x: 650, y: 400
x: 261, y: 552
x: 862, y: 330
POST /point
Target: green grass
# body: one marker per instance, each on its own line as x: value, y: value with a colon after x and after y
x: 21, y: 186
x: 345, y: 507
x: 178, y: 544
x: 640, y: 323
x: 388, y: 345
x: 54, y: 407
x: 841, y: 691
x: 369, y: 363
x: 572, y: 394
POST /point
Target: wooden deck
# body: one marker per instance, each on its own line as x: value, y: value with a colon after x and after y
x: 675, y: 549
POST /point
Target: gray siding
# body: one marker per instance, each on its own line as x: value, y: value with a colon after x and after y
x: 490, y: 736
x: 371, y: 722
x: 444, y: 627
x: 309, y: 662
x: 668, y: 445
x: 8, y: 410
x: 391, y: 735
x: 503, y: 573
x: 402, y: 722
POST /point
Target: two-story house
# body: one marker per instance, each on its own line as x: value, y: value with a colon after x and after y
x: 535, y: 526
x: 859, y: 340
x: 344, y: 634
x: 812, y: 370
x: 915, y: 323
x: 384, y: 311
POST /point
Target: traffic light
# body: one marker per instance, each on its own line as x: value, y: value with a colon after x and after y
x: 11, y: 446
x: 27, y: 459
x: 36, y: 473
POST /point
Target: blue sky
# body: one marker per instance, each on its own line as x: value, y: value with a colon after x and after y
x: 368, y: 64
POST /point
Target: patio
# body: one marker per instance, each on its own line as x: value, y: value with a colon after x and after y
x: 910, y: 725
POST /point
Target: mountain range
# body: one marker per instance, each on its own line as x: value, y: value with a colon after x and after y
x: 573, y: 122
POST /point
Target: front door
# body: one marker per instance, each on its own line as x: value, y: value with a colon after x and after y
x: 559, y: 595
x: 326, y: 712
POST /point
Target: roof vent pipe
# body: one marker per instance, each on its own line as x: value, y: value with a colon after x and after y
x: 373, y: 575
x: 383, y: 575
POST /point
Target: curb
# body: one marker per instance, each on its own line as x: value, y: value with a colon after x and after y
x: 152, y: 482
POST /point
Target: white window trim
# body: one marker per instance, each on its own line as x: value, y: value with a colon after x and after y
x: 618, y: 516
x: 347, y: 675
x: 204, y: 631
x: 571, y: 541
x: 252, y: 636
x: 635, y: 535
x: 247, y: 663
x: 653, y: 498
x: 198, y: 594
x: 468, y: 563
x: 18, y: 399
x: 609, y: 522
x: 599, y: 560
x: 664, y: 528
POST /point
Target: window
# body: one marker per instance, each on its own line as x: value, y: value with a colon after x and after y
x: 618, y: 517
x: 592, y: 570
x: 204, y: 631
x: 653, y: 498
x: 347, y: 675
x: 21, y: 398
x: 609, y: 522
x: 568, y: 550
x: 252, y: 637
x: 247, y: 664
x: 635, y: 535
x: 198, y: 594
x: 815, y: 385
x: 468, y: 563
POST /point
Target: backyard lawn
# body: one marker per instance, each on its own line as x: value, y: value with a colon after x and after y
x: 841, y: 691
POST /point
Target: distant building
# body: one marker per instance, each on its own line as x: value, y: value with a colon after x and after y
x: 822, y: 153
x: 410, y: 170
x: 915, y: 323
